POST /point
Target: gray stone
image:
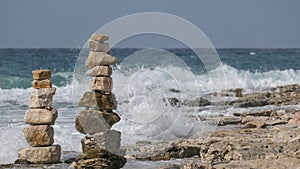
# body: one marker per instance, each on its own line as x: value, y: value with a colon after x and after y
x: 101, y: 144
x: 40, y: 98
x: 40, y: 155
x: 93, y: 121
x: 41, y: 135
x: 99, y: 58
x: 40, y: 116
x: 41, y: 74
x: 99, y: 37
x: 99, y: 101
x: 101, y: 83
x: 99, y: 71
x: 97, y: 46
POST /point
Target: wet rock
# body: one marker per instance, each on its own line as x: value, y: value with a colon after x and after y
x: 41, y: 135
x: 40, y: 116
x: 40, y: 155
x: 196, y: 102
x: 99, y: 58
x: 41, y: 74
x: 254, y: 124
x: 169, y: 166
x: 101, y: 84
x: 257, y: 113
x: 37, y: 84
x: 98, y: 100
x: 102, y: 144
x: 99, y: 71
x: 174, y: 90
x: 40, y: 98
x: 99, y: 37
x: 93, y: 121
x: 229, y: 120
x: 97, y: 46
x: 249, y: 102
x: 172, y: 101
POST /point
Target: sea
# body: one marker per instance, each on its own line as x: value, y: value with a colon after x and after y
x: 143, y: 80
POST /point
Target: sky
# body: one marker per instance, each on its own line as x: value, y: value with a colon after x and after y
x: 227, y: 23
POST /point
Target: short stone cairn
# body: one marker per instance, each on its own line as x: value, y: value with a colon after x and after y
x: 40, y: 116
x: 101, y: 145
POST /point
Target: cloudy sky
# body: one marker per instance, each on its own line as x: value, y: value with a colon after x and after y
x: 228, y: 23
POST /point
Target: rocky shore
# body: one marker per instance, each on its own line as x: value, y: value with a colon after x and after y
x: 265, y: 138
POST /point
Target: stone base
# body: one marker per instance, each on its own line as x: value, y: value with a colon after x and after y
x: 39, y: 155
x: 110, y: 162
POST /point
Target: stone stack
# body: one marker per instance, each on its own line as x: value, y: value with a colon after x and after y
x: 40, y: 116
x: 101, y: 145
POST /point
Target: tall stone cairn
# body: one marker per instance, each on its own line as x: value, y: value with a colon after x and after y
x: 101, y: 145
x: 40, y: 116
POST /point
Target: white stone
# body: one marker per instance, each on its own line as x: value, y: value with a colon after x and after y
x: 97, y: 46
x: 99, y: 71
x: 101, y: 83
x: 40, y: 98
x: 99, y: 58
x: 99, y: 37
x: 40, y: 155
x: 40, y: 116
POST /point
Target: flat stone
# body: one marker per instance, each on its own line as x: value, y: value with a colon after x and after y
x: 101, y: 83
x: 97, y: 46
x: 40, y: 98
x: 40, y: 116
x: 99, y: 58
x: 99, y: 101
x: 99, y: 71
x: 40, y: 155
x: 229, y: 120
x: 94, y: 121
x: 99, y: 37
x: 100, y: 144
x: 41, y: 74
x: 254, y: 118
x: 254, y: 124
x: 275, y: 122
x: 37, y: 84
x: 40, y: 135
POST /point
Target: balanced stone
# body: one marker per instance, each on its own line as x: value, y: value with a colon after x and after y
x: 100, y: 144
x: 101, y: 83
x: 93, y: 121
x: 99, y: 71
x: 40, y: 155
x: 97, y: 46
x: 37, y: 84
x: 99, y: 37
x: 41, y: 74
x: 40, y: 98
x: 41, y: 135
x: 97, y: 100
x: 99, y: 58
x: 40, y: 116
